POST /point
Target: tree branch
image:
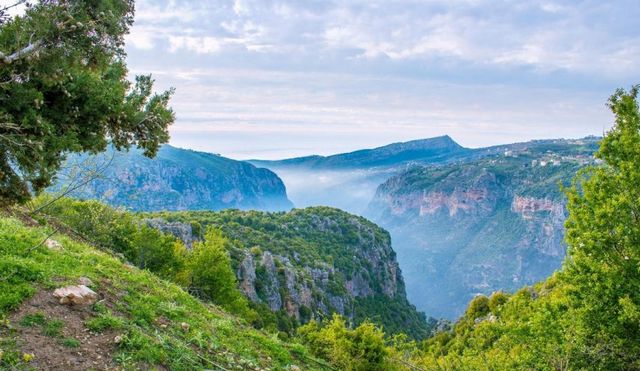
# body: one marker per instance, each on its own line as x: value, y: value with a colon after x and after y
x: 8, y: 59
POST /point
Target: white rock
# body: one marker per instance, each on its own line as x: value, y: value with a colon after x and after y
x: 85, y: 281
x: 75, y: 295
x: 52, y: 244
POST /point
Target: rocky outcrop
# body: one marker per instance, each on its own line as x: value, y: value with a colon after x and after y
x: 79, y: 295
x: 180, y: 230
x: 528, y: 206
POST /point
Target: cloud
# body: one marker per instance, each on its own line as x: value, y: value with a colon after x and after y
x: 200, y: 45
x: 332, y: 75
x: 546, y: 35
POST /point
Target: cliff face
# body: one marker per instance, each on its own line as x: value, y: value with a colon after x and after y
x: 313, y: 262
x: 177, y: 179
x: 486, y: 225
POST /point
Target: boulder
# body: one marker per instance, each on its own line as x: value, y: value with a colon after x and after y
x: 52, y: 244
x: 85, y: 281
x: 75, y: 295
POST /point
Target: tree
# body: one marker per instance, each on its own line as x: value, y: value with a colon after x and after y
x: 63, y: 89
x: 362, y: 348
x: 603, y: 234
x: 210, y: 275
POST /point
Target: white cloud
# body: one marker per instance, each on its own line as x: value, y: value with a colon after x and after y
x: 256, y: 73
x: 200, y: 45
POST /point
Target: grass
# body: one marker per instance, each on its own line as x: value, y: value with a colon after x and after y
x: 104, y: 321
x: 150, y: 311
x: 70, y: 343
x: 53, y: 328
x: 49, y: 327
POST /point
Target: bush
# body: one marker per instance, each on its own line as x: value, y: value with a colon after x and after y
x: 362, y: 348
x: 208, y: 270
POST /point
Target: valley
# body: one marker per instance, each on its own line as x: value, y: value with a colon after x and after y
x: 463, y: 221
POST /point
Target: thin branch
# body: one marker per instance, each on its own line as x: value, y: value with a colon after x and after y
x: 12, y: 6
x: 8, y: 59
x: 55, y: 230
x: 95, y: 175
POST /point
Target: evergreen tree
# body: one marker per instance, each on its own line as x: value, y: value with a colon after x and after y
x: 63, y: 88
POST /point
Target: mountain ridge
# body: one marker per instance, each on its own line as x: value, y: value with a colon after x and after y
x: 389, y: 154
x: 177, y: 179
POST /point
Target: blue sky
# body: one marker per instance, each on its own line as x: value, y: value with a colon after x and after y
x: 281, y: 78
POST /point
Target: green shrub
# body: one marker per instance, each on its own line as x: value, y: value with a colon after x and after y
x: 106, y: 321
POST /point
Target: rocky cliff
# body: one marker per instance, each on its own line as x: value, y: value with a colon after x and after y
x: 475, y: 227
x: 313, y: 262
x: 176, y: 179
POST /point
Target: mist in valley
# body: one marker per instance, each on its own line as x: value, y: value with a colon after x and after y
x: 349, y: 190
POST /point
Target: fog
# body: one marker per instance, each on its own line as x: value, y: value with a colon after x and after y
x: 349, y: 190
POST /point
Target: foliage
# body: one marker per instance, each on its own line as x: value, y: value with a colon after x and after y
x: 64, y: 88
x: 120, y: 232
x: 603, y: 232
x: 209, y: 273
x: 359, y: 349
x: 205, y: 270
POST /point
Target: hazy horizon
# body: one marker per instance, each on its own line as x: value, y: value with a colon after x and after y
x: 282, y: 78
x: 372, y: 147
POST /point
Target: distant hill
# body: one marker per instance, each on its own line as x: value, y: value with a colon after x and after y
x: 494, y: 223
x: 422, y: 150
x: 348, y: 181
x: 177, y: 179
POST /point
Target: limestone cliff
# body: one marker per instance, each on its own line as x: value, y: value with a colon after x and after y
x: 479, y: 226
x: 311, y: 263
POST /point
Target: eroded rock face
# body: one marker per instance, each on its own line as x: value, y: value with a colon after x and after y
x: 283, y: 283
x: 465, y: 229
x: 182, y: 231
x: 178, y: 179
x: 528, y: 206
x: 79, y: 295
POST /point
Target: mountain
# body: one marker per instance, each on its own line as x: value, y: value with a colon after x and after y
x: 348, y: 181
x: 422, y: 150
x: 176, y: 179
x: 494, y: 223
x: 310, y: 263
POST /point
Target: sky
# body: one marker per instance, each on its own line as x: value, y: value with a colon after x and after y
x: 273, y: 79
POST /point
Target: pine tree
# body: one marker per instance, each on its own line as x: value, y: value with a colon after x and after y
x: 64, y: 88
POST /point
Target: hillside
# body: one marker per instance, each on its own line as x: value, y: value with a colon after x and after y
x: 176, y: 179
x: 310, y: 263
x: 138, y: 322
x: 480, y: 226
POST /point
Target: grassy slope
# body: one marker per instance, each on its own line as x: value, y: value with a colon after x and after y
x: 146, y: 312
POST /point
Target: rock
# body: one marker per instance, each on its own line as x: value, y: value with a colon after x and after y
x: 185, y: 326
x: 52, y: 244
x: 75, y: 295
x: 182, y: 231
x: 85, y: 281
x: 117, y: 339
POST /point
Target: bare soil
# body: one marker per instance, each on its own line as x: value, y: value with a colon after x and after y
x: 95, y: 351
